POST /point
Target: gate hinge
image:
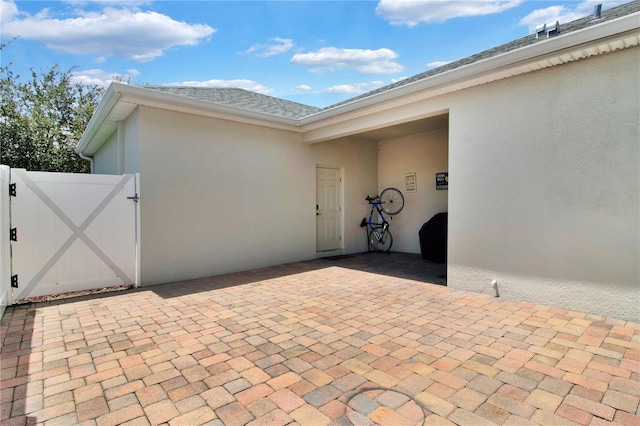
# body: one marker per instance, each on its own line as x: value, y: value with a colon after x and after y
x: 12, y: 190
x: 14, y: 281
x: 13, y: 234
x: 135, y: 198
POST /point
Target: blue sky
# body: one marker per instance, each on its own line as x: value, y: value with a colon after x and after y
x: 313, y: 52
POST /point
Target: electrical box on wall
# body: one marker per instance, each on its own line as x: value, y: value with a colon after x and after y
x: 442, y: 180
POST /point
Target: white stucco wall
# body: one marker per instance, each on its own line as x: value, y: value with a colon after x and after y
x: 120, y: 154
x: 106, y: 159
x: 424, y: 154
x: 544, y: 186
x: 221, y: 197
x: 131, y: 146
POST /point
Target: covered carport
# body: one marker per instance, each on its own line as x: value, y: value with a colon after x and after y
x: 410, y: 156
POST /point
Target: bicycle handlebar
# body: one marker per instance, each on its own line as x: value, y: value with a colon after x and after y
x: 372, y: 199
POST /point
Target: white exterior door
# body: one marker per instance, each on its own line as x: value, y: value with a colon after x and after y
x: 328, y: 209
x: 72, y: 232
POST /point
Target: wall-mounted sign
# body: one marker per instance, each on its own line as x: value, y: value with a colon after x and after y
x: 442, y: 180
x: 410, y: 183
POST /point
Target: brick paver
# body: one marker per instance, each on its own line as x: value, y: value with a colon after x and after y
x: 357, y: 341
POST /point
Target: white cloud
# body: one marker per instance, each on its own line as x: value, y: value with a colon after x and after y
x: 102, y: 78
x: 546, y: 15
x: 9, y: 11
x: 274, y: 46
x: 129, y: 3
x: 237, y: 83
x: 436, y: 64
x: 302, y: 88
x: 412, y: 12
x: 111, y: 32
x: 355, y: 88
x: 380, y: 61
x: 564, y: 13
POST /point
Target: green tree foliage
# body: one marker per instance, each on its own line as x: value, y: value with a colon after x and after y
x: 42, y: 120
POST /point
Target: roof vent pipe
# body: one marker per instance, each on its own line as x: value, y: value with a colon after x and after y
x: 597, y: 11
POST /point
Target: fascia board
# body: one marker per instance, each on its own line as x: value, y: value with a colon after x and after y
x: 454, y: 79
x: 119, y: 92
x: 156, y: 99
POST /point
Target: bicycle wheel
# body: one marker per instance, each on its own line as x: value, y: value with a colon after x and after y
x: 380, y: 240
x: 392, y: 201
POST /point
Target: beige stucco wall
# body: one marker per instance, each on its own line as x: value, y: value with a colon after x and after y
x: 544, y: 186
x: 220, y: 197
x: 424, y: 154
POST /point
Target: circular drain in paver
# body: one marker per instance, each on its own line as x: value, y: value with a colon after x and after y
x: 384, y: 406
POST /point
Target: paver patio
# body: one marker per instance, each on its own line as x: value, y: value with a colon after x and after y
x: 314, y: 343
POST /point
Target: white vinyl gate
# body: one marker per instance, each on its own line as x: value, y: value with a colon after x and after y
x: 70, y: 232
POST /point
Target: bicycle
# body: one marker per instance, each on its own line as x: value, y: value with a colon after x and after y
x: 391, y: 202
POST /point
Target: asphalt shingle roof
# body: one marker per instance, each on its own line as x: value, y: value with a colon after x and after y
x: 256, y: 102
x: 243, y: 99
x: 616, y: 12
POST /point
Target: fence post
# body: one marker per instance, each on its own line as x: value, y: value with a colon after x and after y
x: 136, y: 177
x: 5, y: 245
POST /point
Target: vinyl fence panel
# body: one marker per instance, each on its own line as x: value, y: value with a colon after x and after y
x: 74, y: 232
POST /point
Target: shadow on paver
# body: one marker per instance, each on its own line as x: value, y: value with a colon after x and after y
x: 399, y: 265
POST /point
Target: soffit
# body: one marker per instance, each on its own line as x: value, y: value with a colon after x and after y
x: 497, y: 68
x: 119, y: 112
x: 406, y: 129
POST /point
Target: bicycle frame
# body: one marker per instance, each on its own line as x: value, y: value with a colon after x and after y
x: 375, y: 227
x: 390, y: 202
x: 375, y: 205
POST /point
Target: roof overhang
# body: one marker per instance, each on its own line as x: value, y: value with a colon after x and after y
x: 605, y: 37
x: 120, y: 100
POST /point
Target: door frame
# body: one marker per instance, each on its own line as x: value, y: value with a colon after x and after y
x: 339, y: 250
